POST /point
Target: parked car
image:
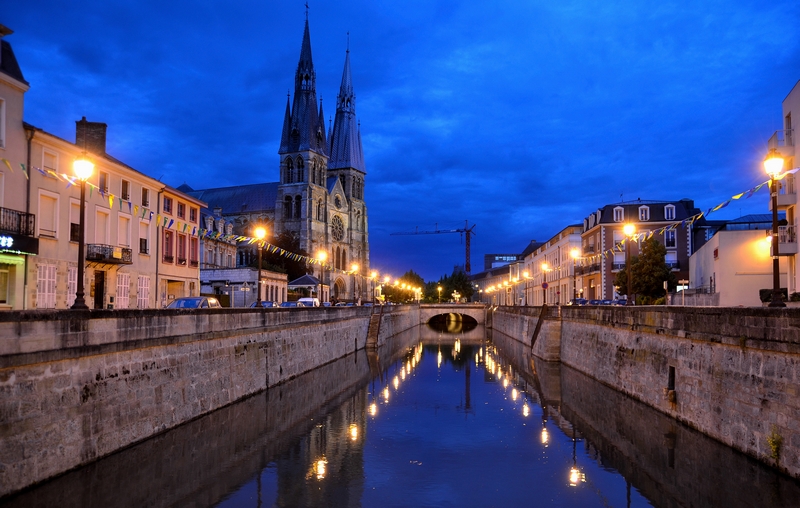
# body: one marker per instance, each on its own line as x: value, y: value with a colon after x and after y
x: 607, y: 302
x: 265, y: 304
x: 195, y: 302
x: 621, y: 301
x: 292, y: 304
x: 595, y: 302
x: 578, y: 301
x: 326, y: 304
x: 309, y: 302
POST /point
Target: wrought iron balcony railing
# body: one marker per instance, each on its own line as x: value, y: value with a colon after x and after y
x: 781, y: 138
x: 108, y: 254
x: 21, y: 223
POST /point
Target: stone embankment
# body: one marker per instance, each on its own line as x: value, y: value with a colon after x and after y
x: 76, y: 386
x: 731, y: 373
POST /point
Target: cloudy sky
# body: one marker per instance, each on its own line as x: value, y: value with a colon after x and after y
x: 521, y: 117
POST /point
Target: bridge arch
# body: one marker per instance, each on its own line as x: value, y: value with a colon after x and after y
x: 464, y: 312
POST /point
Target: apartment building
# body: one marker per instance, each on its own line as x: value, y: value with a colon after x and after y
x: 18, y: 241
x: 179, y: 248
x: 783, y: 141
x: 548, y: 271
x: 603, y: 254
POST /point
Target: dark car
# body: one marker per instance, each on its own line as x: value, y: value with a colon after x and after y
x: 195, y: 302
x: 265, y: 304
x: 595, y: 302
x: 291, y: 305
x: 621, y: 301
x: 578, y: 301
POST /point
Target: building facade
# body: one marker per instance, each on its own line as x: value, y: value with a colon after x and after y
x: 603, y: 250
x: 549, y: 271
x: 319, y: 197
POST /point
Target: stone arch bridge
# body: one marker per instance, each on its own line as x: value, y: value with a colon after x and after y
x: 430, y: 310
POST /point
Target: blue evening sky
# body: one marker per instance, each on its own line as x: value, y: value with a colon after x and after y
x: 522, y: 117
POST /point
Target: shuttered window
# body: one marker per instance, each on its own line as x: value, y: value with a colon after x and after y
x: 143, y: 292
x: 123, y: 290
x: 46, y: 286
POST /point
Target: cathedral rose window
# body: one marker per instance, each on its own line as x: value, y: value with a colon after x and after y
x: 337, y: 228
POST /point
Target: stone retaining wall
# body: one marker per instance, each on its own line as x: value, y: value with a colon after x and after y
x: 736, y: 371
x: 520, y: 323
x: 76, y: 386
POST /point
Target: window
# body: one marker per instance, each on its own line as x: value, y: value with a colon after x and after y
x: 101, y: 233
x: 144, y: 236
x: 169, y: 247
x: 287, y: 207
x: 193, y: 214
x: 74, y: 221
x: 72, y: 285
x: 145, y: 197
x: 2, y: 123
x: 194, y: 251
x: 670, y: 239
x: 50, y: 161
x: 181, y: 249
x: 143, y: 292
x: 167, y: 205
x: 48, y: 214
x: 289, y: 170
x: 181, y: 210
x: 320, y: 210
x: 619, y: 214
x: 123, y: 290
x: 124, y: 232
x: 46, y: 286
x: 102, y: 181
x: 644, y: 213
x: 300, y: 171
x: 669, y: 212
x: 4, y: 283
x: 126, y: 190
x: 297, y: 207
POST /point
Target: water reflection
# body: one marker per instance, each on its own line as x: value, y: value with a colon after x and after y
x: 431, y: 419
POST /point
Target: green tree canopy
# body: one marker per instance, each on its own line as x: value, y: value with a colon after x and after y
x: 649, y: 271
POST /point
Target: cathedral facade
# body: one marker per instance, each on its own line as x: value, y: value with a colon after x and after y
x: 319, y: 197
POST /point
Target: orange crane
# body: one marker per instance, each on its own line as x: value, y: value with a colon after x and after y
x: 466, y: 230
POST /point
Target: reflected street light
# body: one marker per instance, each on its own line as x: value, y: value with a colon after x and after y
x: 83, y: 168
x: 773, y: 164
x: 260, y: 233
x: 629, y: 229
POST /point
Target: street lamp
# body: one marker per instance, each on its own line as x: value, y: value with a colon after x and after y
x: 372, y: 276
x: 260, y: 233
x: 83, y: 168
x: 574, y: 253
x: 354, y: 267
x: 321, y: 257
x: 628, y: 229
x: 439, y: 288
x: 773, y: 164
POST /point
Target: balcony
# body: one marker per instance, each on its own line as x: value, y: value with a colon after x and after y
x: 787, y: 192
x: 787, y: 240
x: 615, y: 267
x: 588, y: 249
x: 109, y: 255
x: 21, y: 223
x: 783, y: 142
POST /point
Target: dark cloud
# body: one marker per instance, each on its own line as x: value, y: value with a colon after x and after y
x: 521, y: 117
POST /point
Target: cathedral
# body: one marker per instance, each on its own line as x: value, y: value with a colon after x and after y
x: 320, y: 195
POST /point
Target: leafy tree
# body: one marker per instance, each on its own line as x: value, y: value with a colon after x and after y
x: 650, y: 270
x: 395, y: 293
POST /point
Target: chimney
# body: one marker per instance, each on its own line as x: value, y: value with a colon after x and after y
x: 91, y: 136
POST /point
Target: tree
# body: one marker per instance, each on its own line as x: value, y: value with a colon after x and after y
x: 289, y: 242
x: 649, y: 271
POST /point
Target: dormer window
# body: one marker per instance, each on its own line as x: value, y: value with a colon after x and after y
x: 619, y: 214
x: 669, y: 212
x: 644, y: 213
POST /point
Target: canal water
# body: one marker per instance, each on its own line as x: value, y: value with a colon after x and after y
x: 432, y: 419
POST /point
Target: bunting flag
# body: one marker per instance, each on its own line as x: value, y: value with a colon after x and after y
x: 8, y: 164
x: 24, y: 171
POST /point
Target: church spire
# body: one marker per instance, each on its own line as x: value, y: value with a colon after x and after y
x: 345, y: 149
x: 287, y: 128
x: 306, y: 130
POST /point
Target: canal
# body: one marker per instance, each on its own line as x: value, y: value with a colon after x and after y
x: 432, y: 419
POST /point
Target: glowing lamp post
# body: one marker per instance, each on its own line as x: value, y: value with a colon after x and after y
x: 355, y: 269
x: 260, y: 233
x: 575, y: 254
x: 773, y: 165
x: 372, y: 276
x: 439, y: 289
x: 83, y: 168
x: 321, y: 257
x: 629, y: 230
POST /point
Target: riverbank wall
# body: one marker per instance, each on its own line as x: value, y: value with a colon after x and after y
x: 731, y: 373
x: 76, y: 386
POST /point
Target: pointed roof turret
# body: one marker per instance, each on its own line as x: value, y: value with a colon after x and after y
x: 287, y: 126
x: 346, y: 149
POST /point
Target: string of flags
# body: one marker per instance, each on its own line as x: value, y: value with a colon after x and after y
x: 166, y: 222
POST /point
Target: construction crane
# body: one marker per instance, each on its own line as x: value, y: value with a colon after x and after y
x: 467, y: 230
